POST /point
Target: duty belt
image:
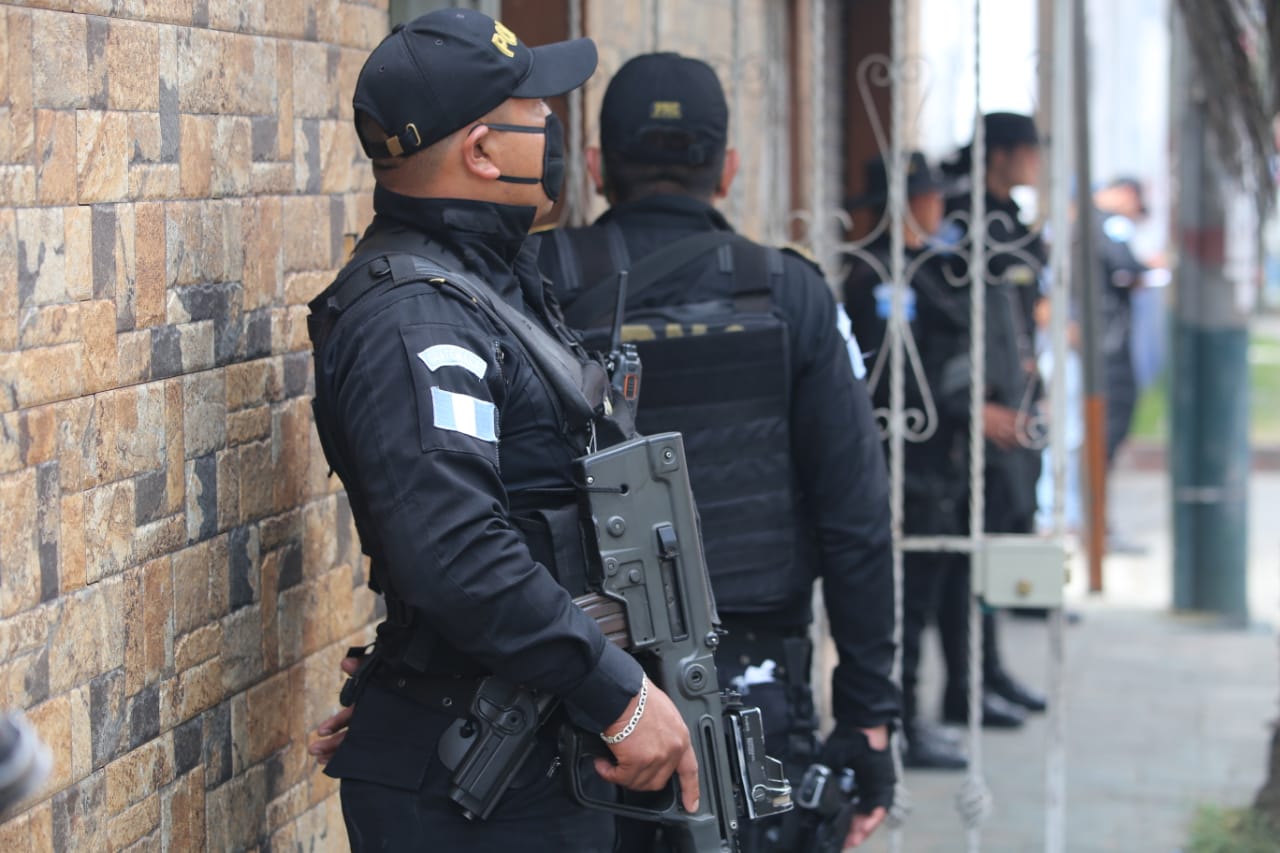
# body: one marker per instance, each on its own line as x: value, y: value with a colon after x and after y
x: 446, y: 694
x: 791, y: 652
x: 750, y: 645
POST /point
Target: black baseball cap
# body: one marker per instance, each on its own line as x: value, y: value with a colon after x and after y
x: 1000, y: 131
x: 664, y: 109
x: 1009, y: 130
x: 447, y: 68
x: 921, y: 178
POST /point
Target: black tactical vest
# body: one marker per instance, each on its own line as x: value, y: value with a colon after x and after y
x: 717, y: 370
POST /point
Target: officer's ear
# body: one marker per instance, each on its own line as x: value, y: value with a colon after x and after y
x: 475, y: 155
x: 727, y: 172
x: 595, y: 167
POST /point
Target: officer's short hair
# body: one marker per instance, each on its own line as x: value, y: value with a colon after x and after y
x: 626, y: 179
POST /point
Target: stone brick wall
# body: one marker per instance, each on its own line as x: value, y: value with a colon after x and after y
x: 178, y: 577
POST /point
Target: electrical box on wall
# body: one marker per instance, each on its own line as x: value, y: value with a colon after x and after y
x: 1020, y: 571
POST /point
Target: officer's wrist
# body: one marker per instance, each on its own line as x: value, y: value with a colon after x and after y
x: 626, y: 724
x: 606, y: 691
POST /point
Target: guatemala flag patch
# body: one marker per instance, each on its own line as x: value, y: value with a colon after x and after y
x: 465, y: 414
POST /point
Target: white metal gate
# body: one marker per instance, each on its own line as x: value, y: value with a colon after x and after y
x: 1043, y: 559
x: 753, y: 72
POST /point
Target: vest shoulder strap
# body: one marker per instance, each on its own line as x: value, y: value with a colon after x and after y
x: 756, y: 270
x: 588, y: 256
x: 400, y: 257
x: 595, y: 306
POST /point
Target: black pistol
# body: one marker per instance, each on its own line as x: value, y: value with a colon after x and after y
x: 487, y: 749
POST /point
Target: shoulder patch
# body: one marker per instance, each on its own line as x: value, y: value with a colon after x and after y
x: 451, y: 355
x: 804, y: 253
x: 465, y: 414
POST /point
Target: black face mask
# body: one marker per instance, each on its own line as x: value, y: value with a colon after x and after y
x: 552, y: 155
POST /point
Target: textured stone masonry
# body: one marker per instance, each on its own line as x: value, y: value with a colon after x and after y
x: 177, y: 179
x: 178, y: 574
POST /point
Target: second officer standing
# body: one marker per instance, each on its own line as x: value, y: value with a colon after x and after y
x: 743, y: 353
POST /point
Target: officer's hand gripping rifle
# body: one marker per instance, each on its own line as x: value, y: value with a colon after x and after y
x: 651, y: 570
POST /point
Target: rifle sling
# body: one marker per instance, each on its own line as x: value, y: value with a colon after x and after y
x: 563, y: 372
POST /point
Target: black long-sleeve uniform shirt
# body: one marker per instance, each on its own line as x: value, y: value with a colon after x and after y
x: 443, y: 425
x: 1015, y: 258
x: 936, y: 468
x: 835, y: 447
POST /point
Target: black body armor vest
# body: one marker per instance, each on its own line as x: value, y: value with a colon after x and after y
x: 718, y: 371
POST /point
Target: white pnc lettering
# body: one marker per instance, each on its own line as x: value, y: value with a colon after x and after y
x: 451, y: 355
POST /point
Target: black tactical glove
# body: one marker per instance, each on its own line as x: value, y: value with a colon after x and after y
x: 874, y: 774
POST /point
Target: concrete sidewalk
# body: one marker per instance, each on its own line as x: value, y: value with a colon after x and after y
x: 1163, y: 712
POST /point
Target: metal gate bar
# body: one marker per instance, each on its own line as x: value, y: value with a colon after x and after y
x: 896, y: 174
x: 576, y: 195
x: 974, y: 800
x: 1062, y: 57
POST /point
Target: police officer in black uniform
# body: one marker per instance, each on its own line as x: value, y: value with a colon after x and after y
x: 742, y: 353
x: 455, y: 450
x: 936, y: 386
x: 1015, y: 259
x: 1118, y: 209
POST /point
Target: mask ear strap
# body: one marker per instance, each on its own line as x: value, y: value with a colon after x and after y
x: 516, y: 128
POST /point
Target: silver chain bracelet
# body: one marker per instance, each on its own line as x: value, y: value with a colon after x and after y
x: 635, y: 717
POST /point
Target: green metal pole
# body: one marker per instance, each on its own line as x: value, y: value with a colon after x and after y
x: 1209, y: 379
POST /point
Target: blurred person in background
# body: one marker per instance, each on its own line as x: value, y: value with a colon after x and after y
x: 937, y: 372
x: 1119, y: 208
x: 1015, y: 259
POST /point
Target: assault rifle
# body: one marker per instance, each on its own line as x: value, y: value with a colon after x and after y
x: 652, y: 596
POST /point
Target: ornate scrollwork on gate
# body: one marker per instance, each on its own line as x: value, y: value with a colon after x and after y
x: 1032, y: 421
x: 918, y: 422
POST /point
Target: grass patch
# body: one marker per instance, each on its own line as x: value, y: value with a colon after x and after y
x: 1151, y: 417
x: 1264, y: 407
x: 1217, y: 830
